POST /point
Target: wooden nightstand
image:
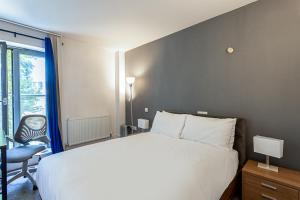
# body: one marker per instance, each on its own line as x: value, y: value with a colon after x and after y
x: 260, y: 184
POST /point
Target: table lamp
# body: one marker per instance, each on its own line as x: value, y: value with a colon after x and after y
x: 143, y: 124
x: 269, y: 147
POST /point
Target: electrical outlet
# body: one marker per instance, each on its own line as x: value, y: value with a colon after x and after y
x: 146, y: 110
x: 202, y: 112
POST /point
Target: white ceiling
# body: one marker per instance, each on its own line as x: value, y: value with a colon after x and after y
x: 120, y: 24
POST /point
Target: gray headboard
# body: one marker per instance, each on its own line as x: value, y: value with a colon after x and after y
x: 240, y: 140
x: 240, y: 137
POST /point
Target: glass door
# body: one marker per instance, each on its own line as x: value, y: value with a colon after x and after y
x: 22, y: 90
x: 29, y: 85
x: 3, y: 88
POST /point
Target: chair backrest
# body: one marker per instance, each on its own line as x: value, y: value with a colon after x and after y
x: 30, y: 127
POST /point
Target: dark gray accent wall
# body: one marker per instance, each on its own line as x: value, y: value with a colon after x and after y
x: 190, y: 70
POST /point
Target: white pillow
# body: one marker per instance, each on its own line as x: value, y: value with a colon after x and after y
x: 218, y: 132
x: 168, y: 124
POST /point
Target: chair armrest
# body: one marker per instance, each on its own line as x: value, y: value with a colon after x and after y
x: 9, y: 139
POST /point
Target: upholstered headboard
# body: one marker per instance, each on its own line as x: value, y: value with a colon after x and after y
x: 240, y: 136
x: 240, y: 140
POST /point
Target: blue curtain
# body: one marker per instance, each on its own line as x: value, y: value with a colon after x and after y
x: 51, y: 99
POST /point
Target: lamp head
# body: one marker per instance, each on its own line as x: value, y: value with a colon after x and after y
x: 268, y: 146
x: 130, y: 80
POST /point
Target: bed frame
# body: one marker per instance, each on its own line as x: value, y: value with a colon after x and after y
x: 234, y: 187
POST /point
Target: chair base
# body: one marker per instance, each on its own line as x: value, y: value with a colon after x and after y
x: 25, y: 172
x: 35, y: 188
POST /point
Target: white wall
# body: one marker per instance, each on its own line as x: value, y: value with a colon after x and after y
x: 87, y: 81
x: 119, y: 90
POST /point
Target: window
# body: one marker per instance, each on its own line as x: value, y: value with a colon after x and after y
x: 22, y: 91
x: 26, y: 85
x: 32, y: 85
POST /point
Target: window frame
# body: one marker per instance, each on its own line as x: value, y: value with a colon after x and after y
x: 4, y: 88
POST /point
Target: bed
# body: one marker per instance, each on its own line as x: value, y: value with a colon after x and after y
x: 145, y: 166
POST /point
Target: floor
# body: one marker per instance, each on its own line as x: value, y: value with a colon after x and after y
x: 22, y: 190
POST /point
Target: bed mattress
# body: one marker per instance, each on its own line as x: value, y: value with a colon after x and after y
x: 146, y: 166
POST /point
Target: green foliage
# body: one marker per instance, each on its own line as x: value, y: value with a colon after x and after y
x: 28, y: 89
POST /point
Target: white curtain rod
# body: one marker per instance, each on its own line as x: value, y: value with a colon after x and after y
x: 29, y: 27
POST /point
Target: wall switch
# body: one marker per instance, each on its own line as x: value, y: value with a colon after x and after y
x: 202, y: 112
x: 146, y: 110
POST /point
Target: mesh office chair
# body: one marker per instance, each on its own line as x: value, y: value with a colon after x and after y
x: 31, y: 128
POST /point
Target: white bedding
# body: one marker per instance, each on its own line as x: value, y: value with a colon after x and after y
x: 140, y: 167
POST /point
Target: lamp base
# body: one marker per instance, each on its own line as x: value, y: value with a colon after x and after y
x: 134, y: 128
x: 267, y: 167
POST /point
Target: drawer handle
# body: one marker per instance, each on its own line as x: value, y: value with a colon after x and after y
x: 268, y: 186
x: 268, y: 197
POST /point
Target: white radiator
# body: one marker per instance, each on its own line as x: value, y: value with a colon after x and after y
x: 82, y: 130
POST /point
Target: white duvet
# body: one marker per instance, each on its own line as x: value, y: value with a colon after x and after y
x: 141, y: 167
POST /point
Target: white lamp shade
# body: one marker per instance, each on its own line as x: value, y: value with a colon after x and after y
x: 143, y: 123
x: 268, y: 146
x: 130, y: 80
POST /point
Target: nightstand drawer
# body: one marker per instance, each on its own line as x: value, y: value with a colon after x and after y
x: 257, y: 188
